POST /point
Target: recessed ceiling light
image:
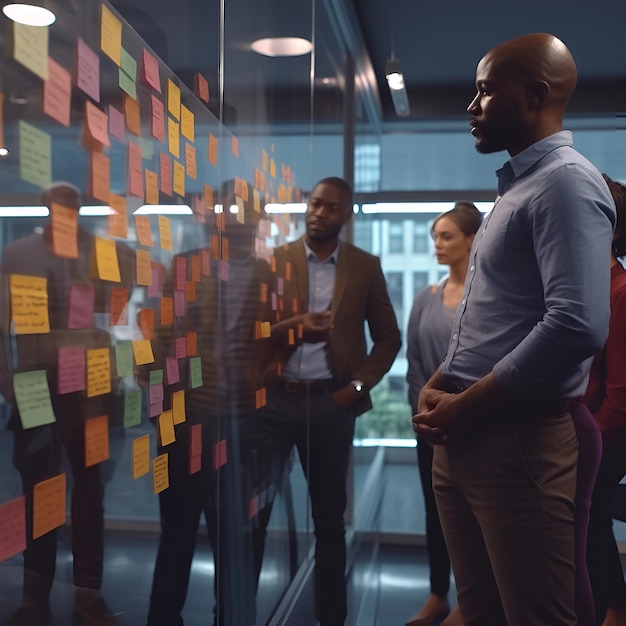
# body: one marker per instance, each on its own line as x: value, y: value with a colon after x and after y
x: 29, y: 14
x: 4, y: 152
x: 282, y: 46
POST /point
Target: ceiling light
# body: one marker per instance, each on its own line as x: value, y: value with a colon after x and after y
x: 29, y: 14
x: 397, y: 88
x: 4, y: 152
x: 163, y: 209
x: 282, y: 46
x: 24, y: 211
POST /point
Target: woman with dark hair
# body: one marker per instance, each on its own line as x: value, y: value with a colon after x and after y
x: 428, y: 334
x: 606, y: 399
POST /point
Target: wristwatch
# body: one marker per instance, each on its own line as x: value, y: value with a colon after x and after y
x: 359, y: 385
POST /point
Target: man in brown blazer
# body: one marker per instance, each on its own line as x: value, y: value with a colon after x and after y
x: 320, y: 372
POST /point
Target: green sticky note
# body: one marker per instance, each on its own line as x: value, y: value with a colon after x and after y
x: 147, y: 147
x: 195, y: 372
x: 127, y: 84
x: 33, y: 398
x: 132, y: 408
x: 156, y: 377
x: 128, y: 65
x: 35, y: 154
x: 124, y: 358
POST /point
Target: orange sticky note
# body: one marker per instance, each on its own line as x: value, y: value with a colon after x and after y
x: 64, y: 231
x: 98, y: 372
x: 110, y: 35
x: 145, y: 319
x: 166, y: 428
x: 96, y: 440
x: 234, y: 144
x: 57, y: 91
x: 192, y: 343
x: 179, y: 178
x: 142, y: 228
x: 141, y: 456
x: 107, y: 267
x: 207, y: 192
x: 96, y: 126
x: 142, y: 350
x: 165, y: 232
x: 202, y: 87
x: 195, y: 268
x: 165, y: 166
x: 167, y: 311
x: 144, y: 267
x: 99, y: 176
x: 273, y: 168
x: 178, y: 407
x: 118, y: 315
x: 190, y: 291
x: 173, y: 99
x: 213, y: 143
x: 190, y: 161
x: 118, y: 220
x: 132, y: 115
x: 49, y: 505
x: 160, y: 473
x: 173, y: 137
x: 152, y: 187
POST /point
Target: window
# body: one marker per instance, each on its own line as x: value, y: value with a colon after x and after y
x: 396, y: 238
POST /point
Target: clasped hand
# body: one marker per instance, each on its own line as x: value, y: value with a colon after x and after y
x: 316, y: 327
x: 436, y: 416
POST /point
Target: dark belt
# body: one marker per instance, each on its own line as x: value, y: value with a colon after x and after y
x: 306, y: 386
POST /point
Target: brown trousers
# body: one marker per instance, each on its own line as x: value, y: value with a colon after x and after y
x: 506, y: 502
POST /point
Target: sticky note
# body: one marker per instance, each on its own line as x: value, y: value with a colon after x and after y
x: 96, y: 126
x: 117, y: 222
x: 64, y: 222
x: 234, y: 144
x: 118, y: 314
x: 165, y: 232
x: 142, y: 349
x: 29, y: 304
x: 173, y: 137
x: 132, y: 408
x: 116, y: 123
x: 135, y: 170
x: 49, y: 505
x: 157, y: 119
x: 155, y: 409
x: 179, y: 303
x: 152, y: 187
x: 155, y: 394
x: 192, y: 343
x: 178, y: 407
x: 142, y: 228
x: 166, y: 308
x: 212, y: 154
x: 141, y: 456
x: 179, y: 178
x: 127, y: 73
x: 165, y: 169
x: 153, y: 290
x: 147, y: 147
x: 107, y: 267
x: 32, y: 396
x: 71, y: 369
x: 30, y: 48
x: 187, y: 123
x: 195, y: 439
x: 171, y: 370
x: 98, y: 372
x: 156, y: 377
x: 180, y: 347
x: 35, y: 154
x: 99, y: 176
x: 87, y: 70
x: 110, y: 35
x: 96, y: 440
x: 145, y: 320
x: 132, y: 115
x: 181, y: 272
x: 195, y: 372
x: 190, y: 161
x: 166, y: 428
x: 124, y: 358
x: 150, y: 71
x: 81, y: 309
x: 207, y: 192
x: 144, y: 268
x: 57, y: 93
x: 206, y: 262
x: 160, y: 473
x: 173, y: 99
x: 195, y: 268
x: 202, y: 87
x: 12, y: 528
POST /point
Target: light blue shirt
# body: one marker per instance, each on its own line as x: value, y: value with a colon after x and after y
x: 535, y: 308
x: 310, y: 361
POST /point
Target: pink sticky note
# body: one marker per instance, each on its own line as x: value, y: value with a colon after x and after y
x: 150, y: 71
x: 153, y: 289
x: 179, y: 303
x: 223, y: 453
x: 223, y: 270
x: 181, y: 273
x: 157, y: 119
x: 172, y: 372
x: 156, y: 394
x: 87, y: 70
x: 195, y: 440
x: 117, y: 125
x: 155, y: 409
x: 165, y: 164
x: 181, y: 347
x: 71, y: 362
x: 12, y: 528
x: 57, y: 92
x: 82, y: 297
x: 274, y: 301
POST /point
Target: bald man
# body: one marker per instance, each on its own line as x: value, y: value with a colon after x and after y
x: 534, y: 311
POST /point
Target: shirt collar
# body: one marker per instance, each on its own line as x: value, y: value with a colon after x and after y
x: 333, y: 255
x: 531, y: 155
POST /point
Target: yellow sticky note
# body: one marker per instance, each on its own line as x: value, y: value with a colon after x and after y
x: 152, y: 187
x: 142, y: 349
x: 96, y: 440
x: 179, y: 178
x: 30, y: 48
x: 29, y: 304
x: 98, y: 372
x: 165, y: 232
x: 166, y: 428
x: 273, y: 168
x: 49, y: 505
x: 173, y: 137
x: 144, y: 267
x: 160, y: 473
x: 187, y: 123
x: 141, y: 456
x: 265, y: 159
x: 178, y: 407
x: 143, y: 230
x: 110, y: 35
x: 173, y: 99
x: 107, y: 266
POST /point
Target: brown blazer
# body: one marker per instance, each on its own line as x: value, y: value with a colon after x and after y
x: 360, y: 296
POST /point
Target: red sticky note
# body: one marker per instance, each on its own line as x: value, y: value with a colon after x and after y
x: 157, y: 119
x: 150, y: 71
x: 87, y: 70
x: 71, y: 366
x: 57, y: 91
x: 195, y: 464
x: 82, y: 299
x: 12, y: 528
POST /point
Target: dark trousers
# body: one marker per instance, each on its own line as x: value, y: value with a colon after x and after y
x: 605, y: 568
x: 322, y: 432
x: 438, y: 559
x: 506, y: 502
x: 37, y: 454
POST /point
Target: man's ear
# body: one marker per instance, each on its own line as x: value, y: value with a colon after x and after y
x: 538, y: 93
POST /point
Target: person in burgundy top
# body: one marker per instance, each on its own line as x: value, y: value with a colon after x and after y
x: 606, y: 399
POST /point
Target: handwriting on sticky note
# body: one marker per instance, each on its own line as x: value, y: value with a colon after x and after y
x: 187, y: 123
x: 116, y: 123
x: 57, y: 91
x: 96, y: 125
x: 29, y: 304
x: 132, y: 408
x: 150, y: 71
x: 144, y: 267
x: 142, y: 349
x: 96, y: 440
x: 64, y: 223
x: 110, y: 35
x: 165, y: 232
x: 118, y: 220
x: 12, y: 528
x: 142, y: 228
x: 179, y: 178
x: 190, y: 161
x: 98, y: 372
x: 49, y: 505
x: 35, y: 154
x: 87, y: 70
x: 173, y: 137
x: 173, y: 99
x: 180, y: 347
x: 107, y: 266
x: 160, y: 473
x: 71, y: 367
x: 30, y: 48
x: 141, y: 456
x: 32, y: 396
x: 82, y: 300
x: 152, y: 187
x: 157, y: 119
